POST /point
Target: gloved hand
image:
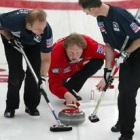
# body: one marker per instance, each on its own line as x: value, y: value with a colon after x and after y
x: 15, y: 42
x: 42, y: 83
x: 108, y: 79
x: 122, y: 58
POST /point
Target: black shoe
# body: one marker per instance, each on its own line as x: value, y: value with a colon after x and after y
x: 79, y: 98
x: 32, y: 112
x: 9, y: 113
x: 123, y: 138
x: 116, y: 128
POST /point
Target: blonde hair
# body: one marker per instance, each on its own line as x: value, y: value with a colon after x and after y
x: 36, y: 15
x: 73, y: 39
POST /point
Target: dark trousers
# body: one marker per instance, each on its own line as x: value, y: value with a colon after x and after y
x: 17, y: 75
x: 129, y: 82
x: 77, y: 81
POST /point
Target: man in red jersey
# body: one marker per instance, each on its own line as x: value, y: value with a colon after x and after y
x: 74, y: 59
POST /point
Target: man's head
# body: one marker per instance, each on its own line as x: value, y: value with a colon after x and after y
x: 90, y: 7
x: 90, y: 3
x: 36, y: 21
x: 74, y: 45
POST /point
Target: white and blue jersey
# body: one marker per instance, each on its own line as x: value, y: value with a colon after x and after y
x: 117, y: 25
x: 14, y: 22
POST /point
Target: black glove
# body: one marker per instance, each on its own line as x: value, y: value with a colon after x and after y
x: 108, y: 79
x: 122, y: 57
x: 15, y: 42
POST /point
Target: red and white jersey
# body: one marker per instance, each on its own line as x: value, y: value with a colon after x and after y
x: 61, y: 68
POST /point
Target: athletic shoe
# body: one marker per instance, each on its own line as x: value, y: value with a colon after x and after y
x: 32, y: 112
x: 79, y: 98
x: 9, y: 113
x: 116, y: 128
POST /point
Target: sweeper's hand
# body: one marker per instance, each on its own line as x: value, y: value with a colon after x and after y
x: 100, y: 86
x: 15, y: 42
x: 107, y: 72
x: 70, y: 99
x: 42, y: 83
x: 122, y: 58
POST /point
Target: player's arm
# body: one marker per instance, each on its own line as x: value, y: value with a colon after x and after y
x: 45, y: 52
x: 109, y: 56
x: 45, y: 63
x: 46, y: 49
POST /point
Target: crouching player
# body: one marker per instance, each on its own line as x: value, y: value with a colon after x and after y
x: 74, y: 59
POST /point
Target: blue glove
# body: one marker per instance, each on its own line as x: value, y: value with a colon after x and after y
x: 108, y: 79
x: 122, y: 58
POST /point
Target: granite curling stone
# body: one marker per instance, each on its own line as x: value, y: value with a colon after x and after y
x: 72, y: 116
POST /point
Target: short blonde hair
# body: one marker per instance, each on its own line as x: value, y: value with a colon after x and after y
x: 73, y: 39
x: 36, y: 15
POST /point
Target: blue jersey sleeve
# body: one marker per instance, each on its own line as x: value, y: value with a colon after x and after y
x: 14, y: 20
x: 130, y: 26
x: 47, y: 40
x: 102, y: 29
x: 117, y: 25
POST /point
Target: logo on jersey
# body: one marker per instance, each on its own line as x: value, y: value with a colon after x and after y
x: 37, y: 38
x: 134, y: 27
x: 116, y: 26
x: 49, y: 42
x: 101, y: 26
x: 56, y: 70
x: 68, y: 69
x: 22, y: 11
x: 100, y: 49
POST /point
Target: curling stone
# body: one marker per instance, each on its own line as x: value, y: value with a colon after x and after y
x: 72, y: 116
